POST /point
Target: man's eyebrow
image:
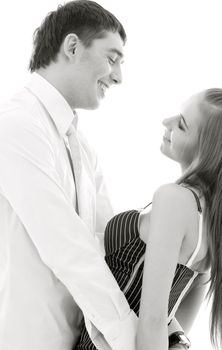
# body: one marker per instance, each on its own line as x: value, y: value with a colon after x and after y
x: 118, y: 52
x: 184, y: 121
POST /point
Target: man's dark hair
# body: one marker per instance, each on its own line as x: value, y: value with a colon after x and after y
x: 87, y: 19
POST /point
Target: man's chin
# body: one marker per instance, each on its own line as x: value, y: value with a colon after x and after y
x: 95, y: 104
x: 90, y: 106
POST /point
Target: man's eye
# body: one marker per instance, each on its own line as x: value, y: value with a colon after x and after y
x: 111, y: 60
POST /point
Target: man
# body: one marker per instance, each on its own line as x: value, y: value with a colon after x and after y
x: 53, y: 200
x: 52, y: 195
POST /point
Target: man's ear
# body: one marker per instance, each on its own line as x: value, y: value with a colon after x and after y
x: 70, y: 45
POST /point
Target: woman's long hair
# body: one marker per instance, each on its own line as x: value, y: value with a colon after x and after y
x: 206, y: 175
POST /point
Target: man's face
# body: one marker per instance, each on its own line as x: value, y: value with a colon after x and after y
x: 95, y: 69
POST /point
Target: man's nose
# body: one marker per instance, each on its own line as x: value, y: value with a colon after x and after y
x: 116, y: 75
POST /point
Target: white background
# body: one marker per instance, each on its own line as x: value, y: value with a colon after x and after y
x: 173, y: 50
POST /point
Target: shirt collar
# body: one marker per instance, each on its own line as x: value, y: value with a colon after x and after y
x: 54, y: 102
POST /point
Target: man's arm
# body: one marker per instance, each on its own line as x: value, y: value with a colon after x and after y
x: 32, y: 186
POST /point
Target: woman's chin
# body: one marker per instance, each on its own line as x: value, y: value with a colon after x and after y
x: 164, y: 151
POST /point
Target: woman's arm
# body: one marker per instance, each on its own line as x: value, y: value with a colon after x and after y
x: 191, y: 303
x: 168, y: 224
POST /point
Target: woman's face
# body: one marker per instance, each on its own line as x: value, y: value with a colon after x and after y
x: 181, y: 133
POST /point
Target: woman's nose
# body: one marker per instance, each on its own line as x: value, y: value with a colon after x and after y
x: 168, y: 122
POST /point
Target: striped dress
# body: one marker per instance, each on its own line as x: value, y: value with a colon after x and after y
x: 125, y: 257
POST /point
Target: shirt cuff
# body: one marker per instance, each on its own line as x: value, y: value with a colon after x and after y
x: 120, y: 335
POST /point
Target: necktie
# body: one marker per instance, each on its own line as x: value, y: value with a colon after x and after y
x: 76, y: 162
x: 83, y: 173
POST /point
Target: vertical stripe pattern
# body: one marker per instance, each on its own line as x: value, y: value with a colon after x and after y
x: 124, y: 250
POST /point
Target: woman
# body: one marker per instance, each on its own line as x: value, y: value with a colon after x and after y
x: 182, y: 232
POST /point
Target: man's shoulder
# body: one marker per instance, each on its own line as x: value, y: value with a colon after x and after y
x: 23, y: 108
x: 20, y: 103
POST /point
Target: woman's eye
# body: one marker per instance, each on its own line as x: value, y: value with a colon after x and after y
x: 180, y: 125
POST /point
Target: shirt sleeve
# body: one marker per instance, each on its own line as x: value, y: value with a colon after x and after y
x: 29, y: 181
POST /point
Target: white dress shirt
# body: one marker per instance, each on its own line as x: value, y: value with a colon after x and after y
x: 49, y: 256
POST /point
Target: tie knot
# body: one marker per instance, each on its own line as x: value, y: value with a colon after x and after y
x: 71, y: 130
x: 73, y: 126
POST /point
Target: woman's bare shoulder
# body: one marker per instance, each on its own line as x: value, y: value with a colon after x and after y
x: 171, y: 203
x: 173, y: 193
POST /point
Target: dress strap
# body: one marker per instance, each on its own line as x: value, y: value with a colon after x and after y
x: 147, y: 206
x: 193, y: 256
x: 200, y: 233
x: 197, y: 200
x: 195, y: 196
